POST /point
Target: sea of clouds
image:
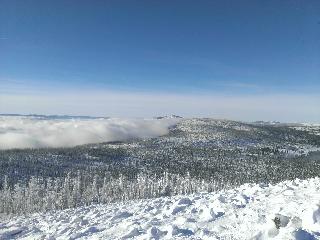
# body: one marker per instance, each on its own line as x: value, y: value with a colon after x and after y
x: 39, y: 132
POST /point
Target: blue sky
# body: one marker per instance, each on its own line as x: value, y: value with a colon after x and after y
x: 235, y: 49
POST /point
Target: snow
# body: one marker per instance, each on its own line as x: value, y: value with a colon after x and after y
x: 311, y: 128
x: 288, y: 210
x: 299, y: 150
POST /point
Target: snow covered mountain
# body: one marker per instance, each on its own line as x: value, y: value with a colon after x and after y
x: 287, y: 210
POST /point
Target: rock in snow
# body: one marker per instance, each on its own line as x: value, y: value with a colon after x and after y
x: 288, y: 210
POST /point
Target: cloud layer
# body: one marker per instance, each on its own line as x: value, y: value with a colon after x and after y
x: 33, y: 132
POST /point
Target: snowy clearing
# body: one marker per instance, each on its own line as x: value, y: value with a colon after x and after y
x: 288, y: 210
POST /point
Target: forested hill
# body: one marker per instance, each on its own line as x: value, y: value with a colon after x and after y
x: 196, y: 155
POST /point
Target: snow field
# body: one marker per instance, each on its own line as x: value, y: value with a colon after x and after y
x: 288, y: 210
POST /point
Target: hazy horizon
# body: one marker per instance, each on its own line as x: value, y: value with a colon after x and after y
x: 282, y: 108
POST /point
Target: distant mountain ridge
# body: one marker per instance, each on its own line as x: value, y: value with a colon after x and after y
x: 168, y: 117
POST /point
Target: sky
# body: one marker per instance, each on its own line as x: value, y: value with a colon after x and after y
x: 244, y: 60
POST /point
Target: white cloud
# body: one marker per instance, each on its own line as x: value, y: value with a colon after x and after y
x: 32, y: 132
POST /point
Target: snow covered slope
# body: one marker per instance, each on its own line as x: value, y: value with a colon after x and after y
x: 288, y: 210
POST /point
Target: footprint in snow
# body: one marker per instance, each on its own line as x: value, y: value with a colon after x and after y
x: 185, y: 201
x: 148, y: 209
x: 156, y: 233
x: 181, y: 232
x: 178, y: 209
x: 121, y: 215
x: 133, y: 233
x: 87, y: 232
x: 210, y: 215
x: 216, y: 213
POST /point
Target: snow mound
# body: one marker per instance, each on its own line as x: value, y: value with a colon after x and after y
x: 288, y: 210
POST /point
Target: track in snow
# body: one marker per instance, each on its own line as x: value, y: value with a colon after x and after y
x: 288, y: 210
